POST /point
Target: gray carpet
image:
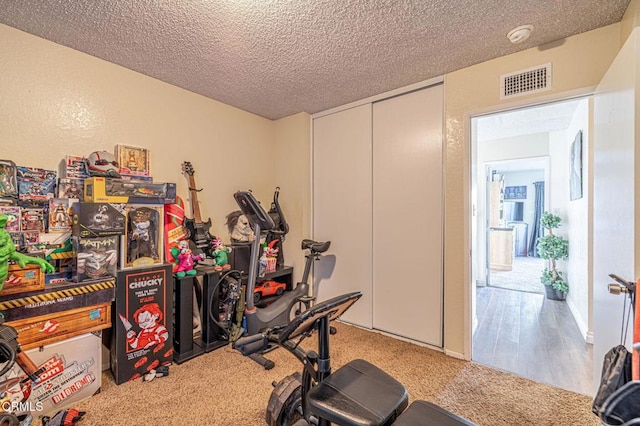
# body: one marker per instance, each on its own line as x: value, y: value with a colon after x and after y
x: 223, y: 388
x: 525, y: 275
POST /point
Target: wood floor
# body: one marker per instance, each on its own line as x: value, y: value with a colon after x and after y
x: 533, y: 337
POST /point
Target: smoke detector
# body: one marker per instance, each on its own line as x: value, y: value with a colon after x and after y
x: 520, y: 34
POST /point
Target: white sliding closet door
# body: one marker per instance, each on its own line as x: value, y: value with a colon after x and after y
x: 408, y: 215
x: 342, y: 206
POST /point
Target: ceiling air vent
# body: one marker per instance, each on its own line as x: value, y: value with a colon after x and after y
x: 525, y: 82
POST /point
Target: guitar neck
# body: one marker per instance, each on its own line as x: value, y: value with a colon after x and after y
x: 195, y: 205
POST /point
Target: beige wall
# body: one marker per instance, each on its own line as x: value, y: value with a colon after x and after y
x: 56, y: 101
x: 579, y: 62
x: 291, y: 171
x: 630, y: 20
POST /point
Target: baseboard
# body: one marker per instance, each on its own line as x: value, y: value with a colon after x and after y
x: 589, y: 338
x: 454, y: 354
x: 584, y: 330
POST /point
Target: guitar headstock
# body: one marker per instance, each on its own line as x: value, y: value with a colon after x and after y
x: 187, y: 168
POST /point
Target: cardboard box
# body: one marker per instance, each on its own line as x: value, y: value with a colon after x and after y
x: 98, y: 219
x: 134, y: 161
x: 19, y: 280
x: 142, y: 335
x: 71, y: 188
x: 104, y: 190
x: 60, y: 214
x: 14, y: 216
x: 143, y: 243
x: 58, y: 297
x: 73, y: 373
x: 96, y: 258
x: 36, y: 184
x: 51, y: 328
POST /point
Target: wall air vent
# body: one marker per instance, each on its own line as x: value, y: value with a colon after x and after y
x: 525, y: 82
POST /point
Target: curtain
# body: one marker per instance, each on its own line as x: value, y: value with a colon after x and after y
x: 537, y: 230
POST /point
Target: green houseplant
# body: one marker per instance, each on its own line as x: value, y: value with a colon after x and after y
x: 553, y: 247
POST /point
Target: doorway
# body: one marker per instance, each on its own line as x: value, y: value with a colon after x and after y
x: 521, y: 159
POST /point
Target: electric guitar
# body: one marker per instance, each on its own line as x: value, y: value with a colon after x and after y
x: 198, y: 230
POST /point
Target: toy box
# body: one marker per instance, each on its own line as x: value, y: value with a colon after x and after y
x: 142, y: 333
x: 96, y: 258
x: 46, y: 329
x: 103, y: 190
x: 75, y: 167
x: 98, y: 219
x: 35, y: 184
x: 71, y: 188
x: 142, y: 244
x: 32, y: 219
x: 14, y: 216
x: 60, y: 214
x: 20, y: 280
x: 72, y: 373
x: 8, y: 179
x: 133, y: 161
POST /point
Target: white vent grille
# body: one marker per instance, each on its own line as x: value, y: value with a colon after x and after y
x: 525, y: 82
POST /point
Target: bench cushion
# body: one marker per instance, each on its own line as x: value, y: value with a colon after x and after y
x: 423, y: 413
x: 358, y: 394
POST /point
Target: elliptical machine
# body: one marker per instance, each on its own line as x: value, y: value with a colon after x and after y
x: 356, y: 394
x: 279, y: 312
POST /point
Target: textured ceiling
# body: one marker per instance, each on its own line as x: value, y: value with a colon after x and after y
x: 276, y: 58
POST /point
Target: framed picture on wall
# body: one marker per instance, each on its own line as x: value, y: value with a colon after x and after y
x: 515, y: 193
x: 575, y: 176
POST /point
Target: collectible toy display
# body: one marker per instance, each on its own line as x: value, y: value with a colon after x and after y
x: 103, y: 163
x: 70, y: 188
x: 133, y: 161
x: 185, y: 262
x: 219, y: 253
x: 35, y: 184
x: 239, y: 227
x: 13, y: 218
x: 8, y: 252
x: 96, y: 258
x: 8, y: 182
x: 59, y: 217
x: 198, y: 230
x: 76, y: 167
x: 143, y: 236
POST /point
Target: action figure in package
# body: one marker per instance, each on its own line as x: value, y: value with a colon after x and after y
x: 35, y: 184
x: 13, y: 218
x: 144, y: 236
x: 59, y: 215
x: 32, y: 220
x: 97, y: 258
x: 8, y: 182
x: 71, y: 188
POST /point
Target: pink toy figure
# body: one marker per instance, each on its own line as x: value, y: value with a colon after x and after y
x: 185, y: 260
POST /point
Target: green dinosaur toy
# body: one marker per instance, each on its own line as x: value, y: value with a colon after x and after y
x: 8, y: 252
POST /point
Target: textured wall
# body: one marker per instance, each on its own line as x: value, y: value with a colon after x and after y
x: 579, y: 62
x: 55, y: 100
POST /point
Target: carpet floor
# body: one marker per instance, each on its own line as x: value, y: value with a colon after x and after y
x: 223, y: 388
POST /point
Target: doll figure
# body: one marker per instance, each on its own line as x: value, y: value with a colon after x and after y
x: 61, y: 216
x: 152, y: 331
x: 219, y: 253
x: 142, y: 235
x: 185, y: 260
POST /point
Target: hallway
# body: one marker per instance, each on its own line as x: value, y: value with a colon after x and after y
x: 533, y: 337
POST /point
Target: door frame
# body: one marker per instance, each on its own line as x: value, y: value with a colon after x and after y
x: 470, y: 203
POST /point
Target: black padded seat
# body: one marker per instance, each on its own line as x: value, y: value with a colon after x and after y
x: 423, y: 413
x: 358, y: 394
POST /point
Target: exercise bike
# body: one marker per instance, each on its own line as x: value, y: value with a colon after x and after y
x: 280, y: 311
x: 356, y: 394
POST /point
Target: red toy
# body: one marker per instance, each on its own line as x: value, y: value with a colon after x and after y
x: 268, y: 288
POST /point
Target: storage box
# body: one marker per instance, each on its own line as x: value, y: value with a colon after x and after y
x: 98, y: 219
x: 96, y: 258
x: 100, y: 189
x: 73, y: 373
x: 142, y: 332
x: 143, y: 243
x: 51, y: 328
x: 19, y: 280
x: 58, y: 297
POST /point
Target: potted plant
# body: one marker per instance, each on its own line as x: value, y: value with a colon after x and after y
x: 553, y: 247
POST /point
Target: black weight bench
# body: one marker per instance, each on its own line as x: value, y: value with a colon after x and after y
x: 361, y: 394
